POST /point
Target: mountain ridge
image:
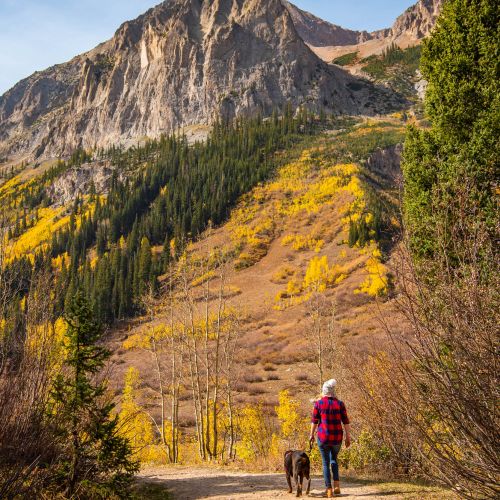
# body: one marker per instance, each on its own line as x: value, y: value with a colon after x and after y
x: 329, y: 41
x: 416, y: 21
x: 318, y: 32
x: 183, y: 63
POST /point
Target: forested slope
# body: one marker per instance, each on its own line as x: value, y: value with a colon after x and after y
x: 116, y: 242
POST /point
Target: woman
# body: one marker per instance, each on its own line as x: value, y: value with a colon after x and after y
x: 329, y: 415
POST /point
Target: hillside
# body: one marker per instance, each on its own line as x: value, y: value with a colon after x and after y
x: 298, y: 244
x: 320, y: 229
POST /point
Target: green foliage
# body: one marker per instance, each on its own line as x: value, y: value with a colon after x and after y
x: 379, y: 67
x: 461, y: 62
x: 95, y: 458
x: 397, y: 68
x: 346, y: 59
x: 170, y: 193
x: 366, y: 451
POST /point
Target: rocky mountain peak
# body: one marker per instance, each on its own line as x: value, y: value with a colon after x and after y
x: 319, y: 33
x: 417, y: 21
x: 181, y: 63
x: 329, y: 41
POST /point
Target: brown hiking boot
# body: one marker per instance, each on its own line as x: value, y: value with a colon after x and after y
x: 329, y: 493
x: 336, y: 489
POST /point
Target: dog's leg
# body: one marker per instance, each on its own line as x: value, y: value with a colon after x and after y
x: 289, y: 481
x: 308, y: 477
x: 301, y: 482
x: 297, y: 482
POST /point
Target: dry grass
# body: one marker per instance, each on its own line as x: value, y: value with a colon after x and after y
x: 252, y: 379
x: 269, y: 367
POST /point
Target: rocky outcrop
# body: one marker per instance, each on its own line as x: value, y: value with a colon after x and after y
x: 182, y: 63
x: 386, y: 163
x: 417, y: 21
x: 80, y: 181
x: 420, y: 86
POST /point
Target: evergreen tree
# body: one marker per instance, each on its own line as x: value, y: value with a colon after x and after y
x: 145, y: 267
x: 460, y: 153
x: 452, y: 220
x: 95, y: 454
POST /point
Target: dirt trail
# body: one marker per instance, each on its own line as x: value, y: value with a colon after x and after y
x: 194, y: 483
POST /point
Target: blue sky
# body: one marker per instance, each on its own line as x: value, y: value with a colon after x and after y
x: 35, y: 34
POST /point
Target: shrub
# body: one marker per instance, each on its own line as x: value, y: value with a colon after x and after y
x: 269, y: 367
x: 365, y: 452
x: 251, y: 379
x: 255, y: 433
x: 291, y: 420
x: 346, y: 59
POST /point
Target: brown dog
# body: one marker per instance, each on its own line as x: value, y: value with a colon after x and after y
x: 298, y: 466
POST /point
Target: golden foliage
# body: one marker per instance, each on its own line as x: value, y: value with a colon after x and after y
x: 256, y: 434
x: 49, y: 221
x: 60, y: 261
x: 136, y: 425
x: 319, y: 275
x: 300, y: 242
x: 376, y: 284
x: 145, y: 337
x: 47, y: 340
x: 291, y: 420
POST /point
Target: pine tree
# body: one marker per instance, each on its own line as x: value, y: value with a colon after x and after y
x: 460, y: 152
x: 94, y: 452
x: 144, y: 266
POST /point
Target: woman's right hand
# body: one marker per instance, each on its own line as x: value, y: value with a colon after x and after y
x: 347, y: 441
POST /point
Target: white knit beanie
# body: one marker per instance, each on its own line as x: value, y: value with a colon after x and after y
x: 329, y: 387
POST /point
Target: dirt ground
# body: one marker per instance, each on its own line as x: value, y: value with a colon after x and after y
x: 186, y: 483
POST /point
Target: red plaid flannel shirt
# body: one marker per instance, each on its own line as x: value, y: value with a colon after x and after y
x: 330, y: 414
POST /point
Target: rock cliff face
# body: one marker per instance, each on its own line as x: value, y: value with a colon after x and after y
x: 417, y: 21
x: 387, y: 163
x: 79, y: 181
x: 181, y: 63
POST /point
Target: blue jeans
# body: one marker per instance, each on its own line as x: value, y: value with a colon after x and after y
x: 329, y: 455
